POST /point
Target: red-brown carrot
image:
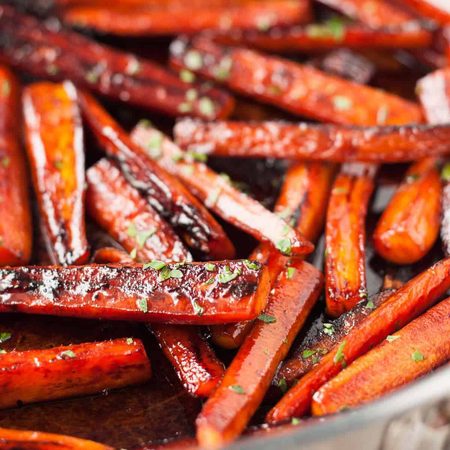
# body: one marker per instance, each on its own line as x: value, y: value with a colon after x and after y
x: 437, y: 10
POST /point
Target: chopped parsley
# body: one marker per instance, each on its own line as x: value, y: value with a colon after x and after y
x: 52, y: 69
x: 284, y: 246
x: 282, y: 384
x: 210, y: 267
x: 308, y: 353
x: 143, y: 235
x: 445, y: 174
x: 187, y: 76
x: 155, y: 264
x: 328, y: 328
x: 223, y: 69
x: 295, y: 421
x: 166, y: 273
x: 332, y: 28
x: 237, y: 388
x: 206, y: 106
x: 142, y: 305
x: 392, y: 338
x: 67, y: 354
x: 133, y: 253
x: 196, y: 156
x: 4, y: 336
x: 154, y: 145
x: 370, y: 305
x: 252, y: 265
x: 133, y: 67
x: 129, y: 341
x: 342, y: 103
x: 266, y: 318
x: 339, y: 357
x: 290, y: 272
x: 227, y: 275
x: 417, y: 356
x: 193, y: 60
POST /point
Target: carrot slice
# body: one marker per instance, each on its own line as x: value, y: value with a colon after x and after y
x: 162, y: 190
x: 293, y: 86
x: 54, y: 138
x: 402, y: 307
x: 219, y: 195
x: 42, y: 51
x: 413, y: 351
x: 15, y: 224
x: 111, y: 255
x: 228, y: 410
x: 194, y: 293
x: 59, y: 372
x: 437, y: 10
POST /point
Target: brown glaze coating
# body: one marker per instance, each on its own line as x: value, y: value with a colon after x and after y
x: 60, y: 54
x: 73, y: 370
x: 54, y: 138
x: 228, y: 410
x: 437, y: 10
x: 15, y: 224
x: 176, y: 293
x: 418, y: 348
x: 400, y: 308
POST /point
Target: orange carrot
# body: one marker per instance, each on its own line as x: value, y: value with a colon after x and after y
x: 437, y: 10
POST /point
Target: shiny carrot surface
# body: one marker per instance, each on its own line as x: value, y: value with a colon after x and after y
x: 345, y: 236
x: 403, y: 306
x: 195, y: 293
x: 411, y: 352
x: 111, y: 255
x: 437, y: 10
x: 15, y: 224
x: 36, y: 440
x: 62, y: 54
x: 387, y: 144
x: 292, y: 86
x: 59, y: 372
x: 55, y: 148
x: 228, y: 410
x: 219, y: 195
x: 409, y: 226
x: 165, y: 193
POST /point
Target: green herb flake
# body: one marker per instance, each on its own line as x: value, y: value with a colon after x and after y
x: 308, y: 353
x: 370, y: 305
x: 445, y: 174
x: 339, y: 357
x: 130, y: 341
x: 206, y: 106
x: 2, y: 352
x: 295, y: 421
x: 417, y: 356
x: 333, y: 28
x: 191, y: 95
x: 210, y: 267
x: 133, y: 67
x: 132, y: 230
x: 155, y: 264
x: 5, y: 336
x: 5, y: 161
x: 143, y: 236
x: 392, y: 338
x: 196, y: 156
x: 252, y: 265
x: 342, y: 103
x: 193, y: 60
x: 290, y: 272
x: 284, y: 246
x: 198, y: 310
x: 164, y: 274
x: 176, y: 273
x: 226, y: 276
x: 237, y: 388
x: 6, y: 88
x: 282, y: 384
x: 187, y: 76
x: 266, y: 318
x: 154, y: 145
x: 210, y: 281
x: 328, y: 328
x: 142, y: 305
x: 67, y: 354
x: 133, y: 253
x: 223, y: 69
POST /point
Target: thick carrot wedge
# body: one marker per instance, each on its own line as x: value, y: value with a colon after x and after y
x: 15, y: 224
x: 345, y: 236
x: 59, y: 372
x: 388, y: 144
x: 437, y: 10
x: 35, y: 440
x: 165, y: 193
x: 413, y: 351
x: 195, y: 293
x: 111, y: 255
x: 403, y: 306
x: 219, y: 195
x: 43, y: 52
x: 293, y: 86
x: 410, y: 224
x: 247, y: 379
x: 54, y: 139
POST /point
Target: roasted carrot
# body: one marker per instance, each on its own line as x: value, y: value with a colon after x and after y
x: 411, y: 352
x: 111, y: 255
x: 59, y: 372
x: 219, y: 195
x: 55, y: 148
x: 437, y: 10
x: 43, y: 52
x: 15, y: 223
x: 400, y: 308
x: 409, y: 226
x: 228, y: 410
x: 35, y: 440
x: 299, y: 89
x: 194, y: 293
x: 388, y: 144
x: 165, y: 193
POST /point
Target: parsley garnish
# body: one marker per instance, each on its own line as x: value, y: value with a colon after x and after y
x: 227, y: 275
x: 223, y: 69
x: 143, y: 235
x: 206, y: 106
x: 67, y: 354
x: 328, y: 329
x: 392, y: 338
x: 290, y: 272
x: 308, y: 353
x: 339, y: 357
x: 142, y: 305
x: 133, y: 67
x: 284, y: 246
x: 252, y: 265
x: 155, y: 264
x: 282, y: 384
x: 133, y: 253
x: 210, y: 267
x: 266, y: 318
x: 370, y: 305
x: 237, y: 388
x: 154, y: 145
x: 187, y: 76
x: 4, y: 336
x: 295, y: 421
x: 417, y: 356
x: 193, y: 60
x: 129, y: 341
x: 445, y: 174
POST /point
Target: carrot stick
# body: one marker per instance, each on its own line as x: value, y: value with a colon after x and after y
x: 413, y: 351
x: 15, y: 224
x: 437, y: 10
x: 59, y: 372
x: 54, y: 138
x: 58, y: 55
x: 403, y: 306
x: 163, y: 191
x: 228, y: 410
x: 219, y: 195
x: 195, y: 293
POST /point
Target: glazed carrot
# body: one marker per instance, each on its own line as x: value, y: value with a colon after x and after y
x: 403, y: 306
x: 15, y: 224
x: 292, y: 86
x: 345, y: 256
x: 194, y: 293
x: 409, y: 226
x: 111, y: 255
x: 413, y: 351
x: 388, y: 144
x: 437, y: 10
x: 54, y: 139
x: 228, y: 410
x: 163, y: 191
x: 36, y: 440
x: 59, y: 372
x: 43, y: 52
x: 220, y: 196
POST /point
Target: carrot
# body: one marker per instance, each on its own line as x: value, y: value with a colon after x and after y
x: 413, y: 351
x: 219, y: 195
x: 389, y: 144
x: 292, y: 86
x: 194, y: 293
x: 60, y: 54
x: 437, y: 10
x: 228, y: 410
x: 163, y: 191
x: 54, y: 139
x: 15, y: 224
x: 403, y: 306
x: 59, y: 372
x: 111, y: 255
